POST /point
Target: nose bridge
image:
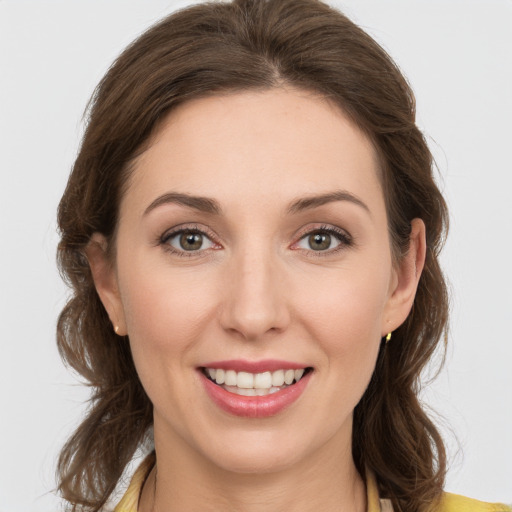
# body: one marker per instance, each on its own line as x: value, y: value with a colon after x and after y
x: 254, y: 303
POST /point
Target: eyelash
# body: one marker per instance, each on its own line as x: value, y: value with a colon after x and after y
x: 190, y: 228
x: 344, y: 239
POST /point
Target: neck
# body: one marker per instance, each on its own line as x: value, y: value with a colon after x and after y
x: 327, y: 481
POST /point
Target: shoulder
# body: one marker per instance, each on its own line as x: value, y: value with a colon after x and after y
x: 130, y: 500
x: 455, y: 503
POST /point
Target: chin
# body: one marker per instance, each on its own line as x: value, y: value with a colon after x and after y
x: 255, y: 454
x: 255, y: 462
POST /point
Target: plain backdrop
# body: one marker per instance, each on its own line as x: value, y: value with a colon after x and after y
x: 457, y: 56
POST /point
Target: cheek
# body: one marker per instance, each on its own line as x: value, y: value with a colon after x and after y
x: 165, y: 312
x: 348, y: 308
x: 345, y: 318
x: 166, y: 317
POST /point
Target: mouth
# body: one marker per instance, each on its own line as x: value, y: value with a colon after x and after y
x: 255, y: 390
x: 255, y: 384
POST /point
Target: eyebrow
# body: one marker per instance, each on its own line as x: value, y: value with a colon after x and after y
x: 310, y: 202
x: 203, y: 204
x: 208, y: 205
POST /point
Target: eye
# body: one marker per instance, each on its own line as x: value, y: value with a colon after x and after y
x: 318, y: 241
x: 325, y: 239
x: 188, y: 240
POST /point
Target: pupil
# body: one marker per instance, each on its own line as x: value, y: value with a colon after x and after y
x: 320, y: 241
x: 191, y: 241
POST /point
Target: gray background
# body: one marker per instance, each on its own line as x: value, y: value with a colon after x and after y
x: 457, y: 56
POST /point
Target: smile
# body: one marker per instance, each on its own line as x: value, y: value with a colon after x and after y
x: 254, y: 384
x: 254, y: 389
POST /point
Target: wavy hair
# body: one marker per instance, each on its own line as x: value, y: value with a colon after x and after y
x: 217, y: 48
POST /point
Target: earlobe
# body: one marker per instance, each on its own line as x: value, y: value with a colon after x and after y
x: 105, y: 281
x: 408, y: 274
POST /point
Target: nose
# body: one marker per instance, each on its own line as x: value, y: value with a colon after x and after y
x: 254, y: 299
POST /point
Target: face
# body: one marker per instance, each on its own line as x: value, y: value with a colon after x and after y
x: 253, y: 242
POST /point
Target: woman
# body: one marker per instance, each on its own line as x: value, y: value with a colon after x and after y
x: 251, y: 229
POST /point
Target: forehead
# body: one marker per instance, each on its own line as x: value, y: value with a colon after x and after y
x: 247, y: 145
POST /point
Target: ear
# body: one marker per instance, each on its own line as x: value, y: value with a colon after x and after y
x: 407, y: 276
x: 105, y: 281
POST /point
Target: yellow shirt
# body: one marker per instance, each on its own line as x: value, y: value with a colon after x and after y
x: 449, y: 502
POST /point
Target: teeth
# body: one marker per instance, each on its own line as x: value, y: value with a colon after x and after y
x: 254, y: 384
x: 299, y: 374
x: 245, y: 380
x: 263, y: 380
x: 245, y: 392
x: 252, y: 392
x: 278, y: 378
x: 220, y: 376
x: 289, y: 375
x: 230, y: 379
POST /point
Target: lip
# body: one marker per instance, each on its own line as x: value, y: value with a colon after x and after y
x: 264, y: 365
x: 254, y: 406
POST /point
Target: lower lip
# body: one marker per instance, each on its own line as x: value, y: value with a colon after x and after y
x: 255, y: 406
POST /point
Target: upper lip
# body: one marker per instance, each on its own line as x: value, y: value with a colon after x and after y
x: 264, y: 365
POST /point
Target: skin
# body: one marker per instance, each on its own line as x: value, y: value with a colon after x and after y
x: 256, y: 290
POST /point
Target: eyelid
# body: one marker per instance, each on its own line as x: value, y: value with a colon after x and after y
x: 176, y: 230
x: 188, y: 226
x: 343, y: 236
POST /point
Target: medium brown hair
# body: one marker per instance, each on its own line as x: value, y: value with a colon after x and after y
x: 217, y: 48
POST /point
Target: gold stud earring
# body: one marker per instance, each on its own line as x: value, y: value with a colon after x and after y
x: 388, y: 337
x: 116, y: 329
